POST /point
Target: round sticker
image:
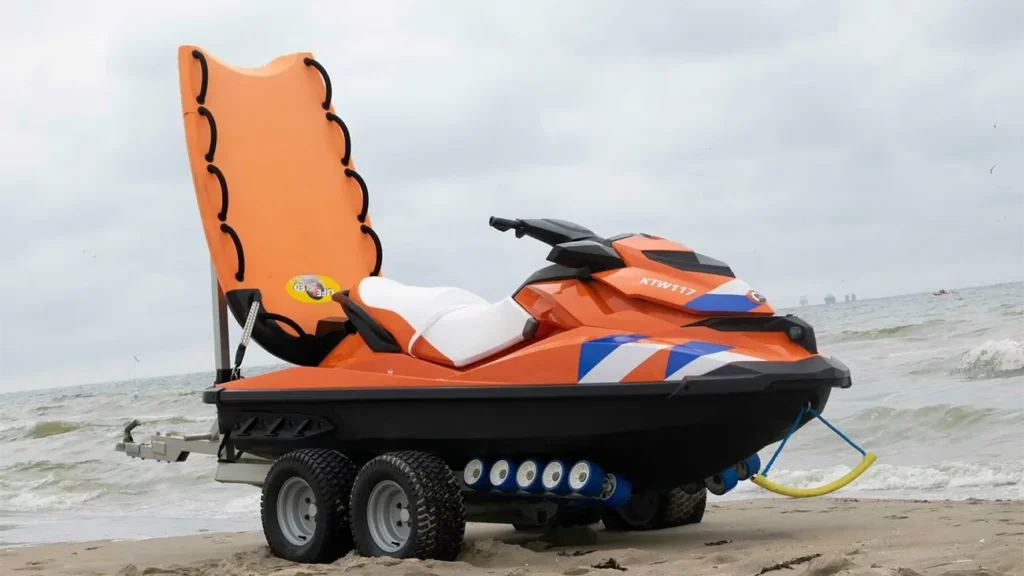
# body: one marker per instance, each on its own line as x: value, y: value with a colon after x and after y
x: 312, y: 288
x: 756, y: 296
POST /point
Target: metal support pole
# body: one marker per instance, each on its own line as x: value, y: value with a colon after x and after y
x: 221, y: 346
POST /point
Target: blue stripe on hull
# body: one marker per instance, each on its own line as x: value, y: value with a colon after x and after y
x: 683, y: 354
x: 593, y: 351
x: 722, y: 303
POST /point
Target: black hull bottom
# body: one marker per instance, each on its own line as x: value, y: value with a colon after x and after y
x: 657, y: 435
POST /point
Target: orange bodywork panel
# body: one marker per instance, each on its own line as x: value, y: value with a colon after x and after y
x: 282, y: 207
x: 653, y: 281
x: 551, y: 361
x: 571, y: 313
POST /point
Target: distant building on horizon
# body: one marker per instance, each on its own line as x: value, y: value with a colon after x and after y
x: 803, y: 300
x: 830, y: 299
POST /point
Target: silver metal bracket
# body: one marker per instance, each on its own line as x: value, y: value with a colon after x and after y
x: 169, y: 447
x: 177, y: 448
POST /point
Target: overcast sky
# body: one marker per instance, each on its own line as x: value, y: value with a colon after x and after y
x: 815, y: 146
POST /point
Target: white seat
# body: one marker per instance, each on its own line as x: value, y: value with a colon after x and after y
x: 460, y: 325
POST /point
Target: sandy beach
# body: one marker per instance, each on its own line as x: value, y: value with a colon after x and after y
x: 822, y: 537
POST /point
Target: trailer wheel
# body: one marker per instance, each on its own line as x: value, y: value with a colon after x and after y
x: 304, y: 506
x: 657, y: 510
x: 407, y: 505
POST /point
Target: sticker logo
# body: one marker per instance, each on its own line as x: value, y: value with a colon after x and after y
x: 665, y: 285
x: 757, y: 297
x: 312, y: 288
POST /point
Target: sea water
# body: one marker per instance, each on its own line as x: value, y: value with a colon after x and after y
x: 938, y: 395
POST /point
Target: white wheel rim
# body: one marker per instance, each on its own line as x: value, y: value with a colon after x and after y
x: 553, y: 474
x: 388, y: 516
x: 578, y: 475
x: 296, y: 511
x: 499, y: 473
x: 527, y: 474
x: 471, y: 475
x: 608, y: 487
x: 715, y: 484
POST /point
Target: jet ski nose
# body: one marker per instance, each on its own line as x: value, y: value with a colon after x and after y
x: 838, y: 365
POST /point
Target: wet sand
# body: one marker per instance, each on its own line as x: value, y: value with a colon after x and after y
x: 777, y: 537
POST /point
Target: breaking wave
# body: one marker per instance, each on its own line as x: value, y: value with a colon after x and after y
x: 993, y: 359
x: 48, y: 428
x: 943, y: 429
x: 51, y: 428
x: 939, y: 418
x: 874, y: 333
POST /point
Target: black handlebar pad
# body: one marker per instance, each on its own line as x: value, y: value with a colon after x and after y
x: 504, y: 224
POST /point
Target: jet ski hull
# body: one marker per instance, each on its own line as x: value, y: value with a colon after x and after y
x: 660, y: 434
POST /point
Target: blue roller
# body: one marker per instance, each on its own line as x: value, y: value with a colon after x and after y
x: 555, y: 478
x: 751, y: 465
x: 528, y: 476
x: 586, y: 478
x: 503, y: 475
x: 474, y: 475
x: 722, y: 482
x: 615, y: 490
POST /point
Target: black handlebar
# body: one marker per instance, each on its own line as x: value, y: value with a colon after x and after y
x: 548, y: 230
x: 504, y: 224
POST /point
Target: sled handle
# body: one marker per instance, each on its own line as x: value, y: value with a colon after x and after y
x: 852, y: 475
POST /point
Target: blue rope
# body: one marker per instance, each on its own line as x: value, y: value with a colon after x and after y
x: 792, y: 429
x: 784, y: 440
x: 834, y: 429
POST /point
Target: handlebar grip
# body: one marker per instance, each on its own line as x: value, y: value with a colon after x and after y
x: 504, y: 224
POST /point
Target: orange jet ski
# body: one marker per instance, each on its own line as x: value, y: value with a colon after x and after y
x: 616, y: 384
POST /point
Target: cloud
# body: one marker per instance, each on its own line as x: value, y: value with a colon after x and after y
x: 814, y: 146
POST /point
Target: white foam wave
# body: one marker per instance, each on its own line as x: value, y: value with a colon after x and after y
x: 230, y: 502
x: 29, y: 501
x: 993, y: 359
